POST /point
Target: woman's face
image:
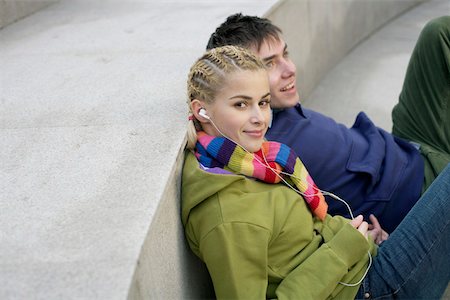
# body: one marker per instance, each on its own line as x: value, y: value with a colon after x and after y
x: 241, y: 109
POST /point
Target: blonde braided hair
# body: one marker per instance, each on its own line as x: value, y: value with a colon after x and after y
x: 209, y: 74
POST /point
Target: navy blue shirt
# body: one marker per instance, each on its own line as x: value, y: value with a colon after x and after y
x: 372, y: 170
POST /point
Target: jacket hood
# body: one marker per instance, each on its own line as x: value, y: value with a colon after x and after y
x: 198, y: 184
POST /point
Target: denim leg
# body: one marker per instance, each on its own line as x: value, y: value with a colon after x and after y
x: 414, y: 263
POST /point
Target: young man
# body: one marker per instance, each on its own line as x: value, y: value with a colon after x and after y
x: 374, y: 171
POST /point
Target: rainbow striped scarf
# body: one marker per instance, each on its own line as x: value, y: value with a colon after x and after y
x: 220, y: 152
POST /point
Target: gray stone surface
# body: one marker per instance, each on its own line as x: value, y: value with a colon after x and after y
x: 91, y: 107
x: 370, y: 78
x: 320, y: 32
x: 13, y: 10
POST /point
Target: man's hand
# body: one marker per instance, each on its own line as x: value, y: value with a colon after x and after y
x: 376, y: 232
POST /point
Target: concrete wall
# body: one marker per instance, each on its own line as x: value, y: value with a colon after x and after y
x: 166, y: 268
x: 13, y: 10
x: 92, y: 120
x: 320, y: 32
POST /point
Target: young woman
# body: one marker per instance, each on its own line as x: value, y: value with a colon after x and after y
x: 253, y: 214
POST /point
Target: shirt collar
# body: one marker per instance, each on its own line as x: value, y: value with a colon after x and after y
x: 299, y: 109
x: 275, y: 111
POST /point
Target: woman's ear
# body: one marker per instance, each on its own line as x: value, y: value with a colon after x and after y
x: 196, y: 106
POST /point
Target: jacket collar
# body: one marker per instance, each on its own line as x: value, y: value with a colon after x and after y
x: 275, y: 111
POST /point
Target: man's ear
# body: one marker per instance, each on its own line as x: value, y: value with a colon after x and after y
x: 196, y: 106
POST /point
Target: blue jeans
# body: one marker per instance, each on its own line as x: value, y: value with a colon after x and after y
x: 414, y: 263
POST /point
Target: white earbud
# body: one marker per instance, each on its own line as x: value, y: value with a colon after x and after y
x: 202, y: 112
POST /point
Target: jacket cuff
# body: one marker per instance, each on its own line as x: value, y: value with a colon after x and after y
x: 349, y: 244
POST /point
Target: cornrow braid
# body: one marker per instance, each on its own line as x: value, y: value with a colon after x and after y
x: 208, y: 75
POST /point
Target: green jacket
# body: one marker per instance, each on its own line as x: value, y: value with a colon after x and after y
x: 260, y: 240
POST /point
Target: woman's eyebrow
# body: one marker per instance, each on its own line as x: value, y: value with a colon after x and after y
x: 266, y: 95
x: 248, y: 97
x: 241, y: 97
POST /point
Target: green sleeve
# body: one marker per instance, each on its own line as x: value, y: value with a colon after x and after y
x: 236, y: 257
x: 319, y: 274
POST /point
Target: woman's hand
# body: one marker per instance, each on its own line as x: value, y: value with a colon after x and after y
x: 361, y: 225
x: 376, y: 232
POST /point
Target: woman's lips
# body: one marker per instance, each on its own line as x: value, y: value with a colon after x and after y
x: 255, y: 133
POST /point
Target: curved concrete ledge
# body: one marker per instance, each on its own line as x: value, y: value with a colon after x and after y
x: 13, y: 10
x: 321, y: 32
x: 92, y: 119
x: 92, y: 131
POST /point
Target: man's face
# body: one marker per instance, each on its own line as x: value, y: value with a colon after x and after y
x: 281, y: 72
